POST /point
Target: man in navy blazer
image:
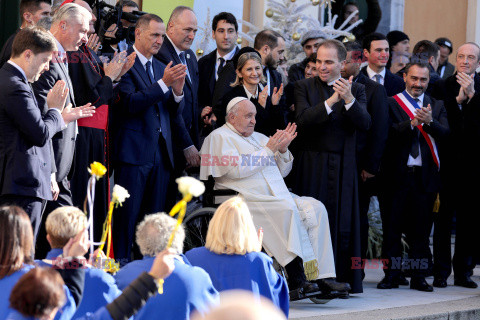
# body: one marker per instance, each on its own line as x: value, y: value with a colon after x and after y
x: 26, y: 133
x: 144, y: 122
x: 225, y: 33
x: 377, y: 51
x: 181, y: 30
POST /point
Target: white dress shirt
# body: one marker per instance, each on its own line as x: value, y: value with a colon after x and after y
x: 347, y: 105
x: 372, y: 74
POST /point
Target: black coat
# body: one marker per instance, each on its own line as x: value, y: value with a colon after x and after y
x: 371, y: 143
x: 399, y: 144
x: 7, y: 49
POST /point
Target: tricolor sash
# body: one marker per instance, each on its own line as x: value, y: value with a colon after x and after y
x: 409, y: 105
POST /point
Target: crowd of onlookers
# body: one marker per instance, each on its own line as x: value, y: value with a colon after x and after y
x: 352, y: 120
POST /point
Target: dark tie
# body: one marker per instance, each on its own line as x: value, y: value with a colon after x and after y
x: 378, y: 78
x: 220, y: 66
x: 415, y: 141
x: 148, y: 68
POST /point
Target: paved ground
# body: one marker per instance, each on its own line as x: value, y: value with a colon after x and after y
x: 403, y: 303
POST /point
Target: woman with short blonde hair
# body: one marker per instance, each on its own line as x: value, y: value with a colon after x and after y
x: 232, y: 256
x: 231, y: 230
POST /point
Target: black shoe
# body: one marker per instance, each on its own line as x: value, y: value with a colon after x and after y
x: 307, y: 289
x: 465, y: 282
x: 420, y: 284
x: 401, y: 280
x: 439, y: 282
x: 330, y: 284
x: 387, y: 283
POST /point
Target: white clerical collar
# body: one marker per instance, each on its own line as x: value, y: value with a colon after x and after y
x: 231, y: 127
x: 332, y: 82
x: 228, y: 56
x: 249, y: 95
x: 371, y: 73
x: 174, y: 46
x: 142, y: 58
x: 19, y: 69
x: 420, y: 98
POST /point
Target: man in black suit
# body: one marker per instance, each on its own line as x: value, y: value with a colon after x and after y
x: 30, y: 12
x: 271, y: 46
x: 144, y: 123
x: 310, y: 42
x: 181, y: 30
x: 69, y: 27
x: 410, y: 177
x: 26, y: 131
x: 377, y: 51
x: 460, y: 171
x: 370, y: 143
x: 328, y: 111
x: 224, y: 31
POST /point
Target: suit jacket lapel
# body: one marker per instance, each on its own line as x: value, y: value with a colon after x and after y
x: 62, y: 70
x: 138, y: 67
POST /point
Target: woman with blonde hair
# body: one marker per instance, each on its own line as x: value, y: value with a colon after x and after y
x: 249, y: 83
x: 232, y: 255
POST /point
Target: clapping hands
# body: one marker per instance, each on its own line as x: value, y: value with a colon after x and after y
x: 282, y: 139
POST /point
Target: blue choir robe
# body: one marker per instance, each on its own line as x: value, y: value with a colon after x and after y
x: 101, y: 314
x: 7, y: 283
x: 187, y: 289
x: 253, y: 272
x: 100, y: 288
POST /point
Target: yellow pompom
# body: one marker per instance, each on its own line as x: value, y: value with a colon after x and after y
x: 269, y: 13
x: 97, y: 169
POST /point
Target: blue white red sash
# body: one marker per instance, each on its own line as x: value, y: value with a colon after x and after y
x: 409, y: 105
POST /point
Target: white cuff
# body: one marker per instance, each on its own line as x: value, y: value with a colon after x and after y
x: 329, y: 110
x: 348, y: 105
x: 165, y: 90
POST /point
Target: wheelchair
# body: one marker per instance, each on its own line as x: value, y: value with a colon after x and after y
x: 196, y: 224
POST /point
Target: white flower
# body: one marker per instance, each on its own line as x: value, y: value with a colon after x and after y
x: 189, y: 185
x: 119, y: 194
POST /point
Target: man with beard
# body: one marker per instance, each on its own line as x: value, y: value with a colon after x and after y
x: 410, y: 177
x: 271, y: 47
x: 460, y: 171
x: 328, y: 111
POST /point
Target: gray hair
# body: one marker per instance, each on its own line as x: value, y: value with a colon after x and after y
x: 69, y: 12
x: 154, y: 232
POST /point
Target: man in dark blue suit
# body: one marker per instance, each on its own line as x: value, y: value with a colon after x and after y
x: 181, y: 30
x: 377, y: 51
x: 150, y: 109
x: 25, y: 133
x: 224, y: 31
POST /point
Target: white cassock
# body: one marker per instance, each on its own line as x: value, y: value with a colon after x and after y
x: 293, y: 226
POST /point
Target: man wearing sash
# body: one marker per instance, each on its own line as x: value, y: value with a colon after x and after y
x: 410, y: 176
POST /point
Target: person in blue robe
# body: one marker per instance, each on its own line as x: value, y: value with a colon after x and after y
x: 232, y: 256
x: 186, y: 290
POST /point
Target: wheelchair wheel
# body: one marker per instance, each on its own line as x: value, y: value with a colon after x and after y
x: 196, y: 226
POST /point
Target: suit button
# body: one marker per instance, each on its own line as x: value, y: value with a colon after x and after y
x: 158, y: 115
x: 158, y: 130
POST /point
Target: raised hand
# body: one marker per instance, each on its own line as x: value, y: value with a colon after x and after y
x: 57, y: 96
x: 424, y: 115
x: 467, y: 83
x: 128, y: 64
x: 277, y: 95
x: 344, y: 89
x: 275, y: 141
x: 163, y: 265
x: 94, y: 42
x: 77, y: 246
x: 115, y: 66
x: 461, y: 96
x: 172, y: 74
x: 262, y: 97
x: 70, y: 114
x: 290, y: 134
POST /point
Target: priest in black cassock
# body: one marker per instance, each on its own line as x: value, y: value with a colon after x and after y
x: 329, y: 111
x: 93, y: 81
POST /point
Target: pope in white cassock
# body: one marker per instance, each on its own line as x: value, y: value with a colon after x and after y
x: 296, y: 229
